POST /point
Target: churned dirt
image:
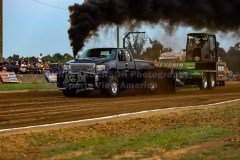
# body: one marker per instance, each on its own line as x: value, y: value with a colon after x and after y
x: 33, y: 145
x: 20, y: 109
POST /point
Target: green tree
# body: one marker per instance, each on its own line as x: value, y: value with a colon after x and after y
x: 15, y: 57
x: 48, y: 58
x: 233, y: 58
x: 67, y: 57
x: 58, y: 57
x: 135, y: 44
x: 222, y: 53
x: 153, y: 52
x: 31, y: 59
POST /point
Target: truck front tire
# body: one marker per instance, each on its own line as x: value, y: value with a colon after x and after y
x: 204, y: 82
x: 151, y: 86
x: 112, y: 87
x: 221, y: 83
x: 211, y: 81
x: 69, y: 92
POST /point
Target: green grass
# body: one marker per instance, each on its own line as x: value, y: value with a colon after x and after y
x: 231, y: 111
x: 43, y: 139
x: 229, y: 151
x: 144, y: 145
x: 34, y: 86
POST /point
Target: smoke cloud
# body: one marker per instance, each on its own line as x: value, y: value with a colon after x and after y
x: 214, y: 15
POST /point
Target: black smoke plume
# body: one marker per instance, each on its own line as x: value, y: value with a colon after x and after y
x: 214, y: 15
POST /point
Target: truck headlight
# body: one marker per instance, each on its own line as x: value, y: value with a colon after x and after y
x: 100, y: 68
x: 66, y: 67
x: 197, y: 58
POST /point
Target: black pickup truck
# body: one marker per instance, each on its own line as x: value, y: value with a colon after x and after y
x: 107, y: 69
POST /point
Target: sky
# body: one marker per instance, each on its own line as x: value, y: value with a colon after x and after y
x: 31, y: 28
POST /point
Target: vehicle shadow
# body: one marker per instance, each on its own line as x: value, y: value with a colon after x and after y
x: 123, y: 93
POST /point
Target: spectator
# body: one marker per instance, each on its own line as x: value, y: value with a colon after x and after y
x: 46, y: 66
x: 59, y: 66
x: 39, y: 67
x: 40, y: 59
x: 1, y: 65
x: 12, y: 63
x: 4, y: 62
x: 4, y: 69
x: 23, y: 67
x: 31, y: 68
x: 20, y: 61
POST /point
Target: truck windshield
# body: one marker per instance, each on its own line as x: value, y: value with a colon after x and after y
x: 197, y: 41
x: 108, y: 54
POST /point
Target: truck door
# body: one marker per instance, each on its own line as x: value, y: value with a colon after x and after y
x: 125, y: 65
x: 213, y: 49
x: 131, y: 66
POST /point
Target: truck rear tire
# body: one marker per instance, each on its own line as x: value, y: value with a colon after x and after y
x: 69, y: 92
x: 204, y: 82
x: 152, y: 86
x: 112, y: 87
x: 221, y: 83
x: 211, y: 80
x: 167, y: 86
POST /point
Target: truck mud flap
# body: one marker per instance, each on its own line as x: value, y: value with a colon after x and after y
x: 167, y: 85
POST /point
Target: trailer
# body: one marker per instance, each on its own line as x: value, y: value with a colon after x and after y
x: 222, y: 73
x: 201, y: 67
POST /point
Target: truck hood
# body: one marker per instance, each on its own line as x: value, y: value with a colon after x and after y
x: 139, y: 60
x: 86, y: 65
x: 92, y: 60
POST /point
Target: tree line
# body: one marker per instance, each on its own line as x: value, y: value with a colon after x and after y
x: 55, y: 58
x: 231, y: 57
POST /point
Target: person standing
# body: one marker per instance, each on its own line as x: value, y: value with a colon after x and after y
x: 20, y: 61
x: 40, y: 57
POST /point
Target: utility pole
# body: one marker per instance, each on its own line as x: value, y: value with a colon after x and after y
x: 118, y: 41
x: 1, y: 30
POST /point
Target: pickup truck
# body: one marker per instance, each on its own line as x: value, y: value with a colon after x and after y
x: 107, y: 69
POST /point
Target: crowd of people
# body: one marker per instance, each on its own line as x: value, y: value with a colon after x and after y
x: 23, y: 66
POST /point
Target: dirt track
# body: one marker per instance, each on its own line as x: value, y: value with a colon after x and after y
x: 36, y: 108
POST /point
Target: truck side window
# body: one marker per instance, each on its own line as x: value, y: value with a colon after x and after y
x: 212, y: 43
x: 121, y: 56
x: 128, y: 56
x: 212, y: 47
x: 113, y: 55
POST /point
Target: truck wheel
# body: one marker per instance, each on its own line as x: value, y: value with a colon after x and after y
x: 69, y: 92
x: 167, y: 85
x: 112, y: 89
x: 204, y: 82
x: 152, y: 86
x: 211, y: 81
x: 221, y: 83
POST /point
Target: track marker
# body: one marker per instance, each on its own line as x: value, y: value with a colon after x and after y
x: 113, y: 116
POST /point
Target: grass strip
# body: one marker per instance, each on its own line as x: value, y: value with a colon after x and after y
x: 142, y: 144
x: 31, y: 86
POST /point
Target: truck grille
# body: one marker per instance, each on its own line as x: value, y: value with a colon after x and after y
x: 85, y: 67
